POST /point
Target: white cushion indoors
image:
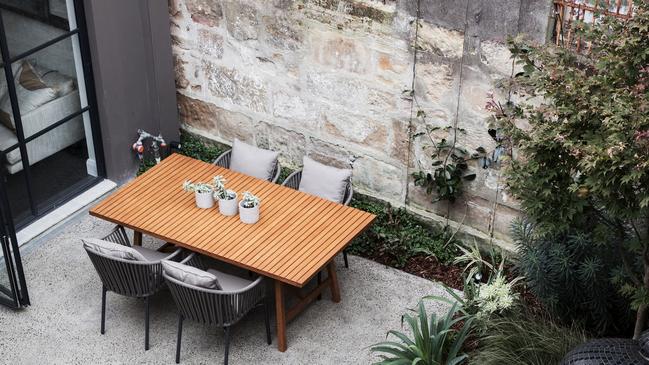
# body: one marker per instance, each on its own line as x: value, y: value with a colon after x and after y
x: 252, y: 161
x: 324, y: 181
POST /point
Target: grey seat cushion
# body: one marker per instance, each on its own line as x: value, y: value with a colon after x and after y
x: 149, y: 254
x: 324, y: 181
x: 252, y: 161
x: 190, y: 275
x: 113, y: 249
x: 229, y: 282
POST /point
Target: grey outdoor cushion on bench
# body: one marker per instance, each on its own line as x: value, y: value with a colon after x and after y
x: 191, y: 275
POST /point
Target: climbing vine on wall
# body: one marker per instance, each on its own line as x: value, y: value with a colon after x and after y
x: 444, y: 178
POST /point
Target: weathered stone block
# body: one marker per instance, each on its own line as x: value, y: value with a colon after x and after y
x: 329, y: 153
x: 210, y: 43
x: 206, y: 12
x: 179, y: 70
x: 379, y: 178
x: 209, y: 117
x: 230, y: 84
x: 350, y: 92
x: 291, y: 145
x: 356, y: 128
x: 450, y: 14
x: 441, y: 41
x: 399, y: 144
x: 379, y: 11
x: 281, y: 32
x: 340, y: 53
x: 294, y: 108
x: 241, y: 19
x: 497, y: 57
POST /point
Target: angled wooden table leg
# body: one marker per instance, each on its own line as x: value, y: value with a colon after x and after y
x: 137, y: 238
x: 335, y: 289
x: 280, y: 312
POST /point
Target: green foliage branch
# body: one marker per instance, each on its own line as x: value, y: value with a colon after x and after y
x: 583, y: 141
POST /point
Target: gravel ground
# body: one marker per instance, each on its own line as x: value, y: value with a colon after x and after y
x: 62, y: 325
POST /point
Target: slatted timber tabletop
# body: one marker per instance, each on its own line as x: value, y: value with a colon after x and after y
x: 296, y: 235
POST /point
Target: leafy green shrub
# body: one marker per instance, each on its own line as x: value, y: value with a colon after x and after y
x: 195, y: 148
x: 435, y: 341
x: 570, y: 274
x: 525, y: 340
x: 190, y: 146
x: 584, y: 142
x: 398, y: 236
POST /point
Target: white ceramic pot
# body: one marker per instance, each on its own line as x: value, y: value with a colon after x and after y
x: 229, y: 207
x: 204, y: 200
x: 248, y: 215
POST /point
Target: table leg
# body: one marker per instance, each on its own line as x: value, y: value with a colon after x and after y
x: 280, y: 312
x: 335, y: 289
x: 137, y: 238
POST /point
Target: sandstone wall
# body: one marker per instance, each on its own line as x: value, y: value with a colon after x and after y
x: 326, y: 78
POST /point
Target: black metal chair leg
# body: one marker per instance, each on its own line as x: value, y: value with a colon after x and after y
x: 146, y: 323
x: 319, y: 281
x: 227, y: 344
x: 103, y: 309
x: 267, y: 321
x: 345, y: 258
x: 180, y: 333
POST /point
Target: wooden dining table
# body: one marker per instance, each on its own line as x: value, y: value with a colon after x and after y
x: 297, y: 236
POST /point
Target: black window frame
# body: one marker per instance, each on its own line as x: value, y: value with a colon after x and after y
x: 38, y: 209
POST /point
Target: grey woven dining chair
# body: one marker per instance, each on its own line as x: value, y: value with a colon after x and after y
x: 222, y: 308
x: 131, y: 278
x: 224, y: 161
x: 293, y: 181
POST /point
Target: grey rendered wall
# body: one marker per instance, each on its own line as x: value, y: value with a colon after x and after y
x: 130, y: 47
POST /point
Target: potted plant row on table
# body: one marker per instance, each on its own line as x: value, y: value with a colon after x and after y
x: 206, y: 193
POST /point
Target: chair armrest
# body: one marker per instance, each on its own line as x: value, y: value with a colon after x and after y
x: 224, y: 159
x: 194, y: 260
x: 293, y: 180
x: 174, y: 255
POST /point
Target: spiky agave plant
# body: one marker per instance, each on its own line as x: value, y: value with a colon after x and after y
x: 435, y: 340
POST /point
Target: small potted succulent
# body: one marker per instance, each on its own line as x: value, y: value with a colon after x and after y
x: 249, y: 208
x: 202, y: 192
x: 228, y: 204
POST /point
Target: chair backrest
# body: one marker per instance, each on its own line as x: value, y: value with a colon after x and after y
x: 224, y: 161
x: 127, y: 277
x: 293, y: 182
x: 214, y: 307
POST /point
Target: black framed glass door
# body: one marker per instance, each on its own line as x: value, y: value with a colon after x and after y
x: 13, y: 289
x: 49, y: 133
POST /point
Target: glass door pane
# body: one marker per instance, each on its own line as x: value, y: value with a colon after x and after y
x: 50, y: 109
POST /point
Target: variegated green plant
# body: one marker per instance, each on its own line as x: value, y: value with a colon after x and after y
x: 198, y: 187
x: 249, y: 200
x: 435, y: 340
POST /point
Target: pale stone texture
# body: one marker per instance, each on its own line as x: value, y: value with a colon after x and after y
x: 326, y: 78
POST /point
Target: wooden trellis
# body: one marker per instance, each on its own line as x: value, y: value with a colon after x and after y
x: 569, y: 12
